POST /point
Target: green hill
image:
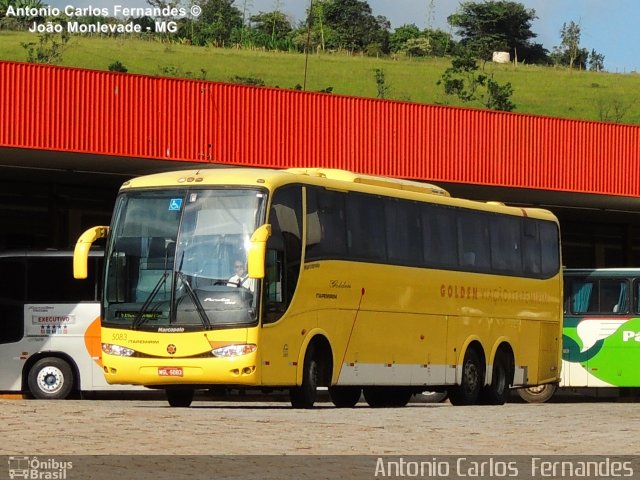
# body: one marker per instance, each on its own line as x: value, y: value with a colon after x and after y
x: 537, y: 90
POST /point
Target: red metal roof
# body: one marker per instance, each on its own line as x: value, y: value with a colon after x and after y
x: 76, y: 110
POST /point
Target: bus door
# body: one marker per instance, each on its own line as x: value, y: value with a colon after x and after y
x: 280, y: 337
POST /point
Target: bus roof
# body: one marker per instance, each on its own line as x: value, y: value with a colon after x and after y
x: 327, y: 177
x: 604, y: 272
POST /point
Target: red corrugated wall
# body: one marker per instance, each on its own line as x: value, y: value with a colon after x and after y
x: 75, y: 110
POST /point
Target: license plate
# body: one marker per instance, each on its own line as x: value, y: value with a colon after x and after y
x: 170, y: 372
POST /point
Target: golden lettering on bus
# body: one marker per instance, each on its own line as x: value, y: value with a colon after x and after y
x: 459, y: 292
x: 497, y: 294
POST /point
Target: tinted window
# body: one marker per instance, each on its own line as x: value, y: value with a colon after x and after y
x: 605, y: 296
x: 473, y: 245
x: 531, y: 248
x: 440, y: 236
x: 12, y: 291
x: 326, y: 236
x: 506, y: 251
x: 12, y: 279
x: 549, y: 242
x: 404, y: 232
x: 50, y: 279
x: 584, y: 297
x: 366, y: 231
x: 367, y: 227
x: 614, y: 296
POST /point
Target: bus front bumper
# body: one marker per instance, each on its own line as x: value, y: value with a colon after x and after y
x: 241, y: 370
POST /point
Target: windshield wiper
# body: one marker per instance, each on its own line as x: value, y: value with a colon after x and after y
x: 140, y: 318
x: 196, y: 301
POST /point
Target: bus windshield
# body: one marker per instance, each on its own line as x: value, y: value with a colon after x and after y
x: 176, y: 259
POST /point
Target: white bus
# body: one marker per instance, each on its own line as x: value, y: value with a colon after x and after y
x: 49, y: 325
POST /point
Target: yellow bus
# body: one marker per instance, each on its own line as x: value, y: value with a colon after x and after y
x: 305, y: 278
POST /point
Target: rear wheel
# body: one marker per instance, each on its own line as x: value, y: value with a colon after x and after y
x: 538, y: 394
x: 496, y: 393
x: 468, y: 391
x: 51, y: 379
x: 305, y: 395
x: 180, y: 398
x: 345, y: 397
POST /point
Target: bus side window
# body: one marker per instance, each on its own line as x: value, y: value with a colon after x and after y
x: 581, y: 296
x: 51, y: 280
x: 613, y: 296
x: 12, y: 298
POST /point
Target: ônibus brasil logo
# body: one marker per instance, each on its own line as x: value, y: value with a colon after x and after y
x: 38, y: 468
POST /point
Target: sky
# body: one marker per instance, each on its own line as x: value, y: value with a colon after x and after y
x: 608, y: 26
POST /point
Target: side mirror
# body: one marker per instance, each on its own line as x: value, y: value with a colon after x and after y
x: 81, y: 252
x: 257, y: 251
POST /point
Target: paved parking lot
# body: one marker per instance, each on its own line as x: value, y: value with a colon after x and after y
x: 150, y: 426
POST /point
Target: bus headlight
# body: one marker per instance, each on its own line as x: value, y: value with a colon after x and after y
x: 234, y: 350
x: 117, y: 350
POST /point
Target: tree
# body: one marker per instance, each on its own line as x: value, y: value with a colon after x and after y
x: 272, y: 29
x: 440, y: 42
x: 313, y: 32
x: 49, y: 48
x: 381, y: 84
x: 401, y: 35
x: 612, y: 109
x: 217, y: 23
x: 354, y: 26
x: 464, y: 80
x: 570, y: 41
x: 19, y: 22
x: 569, y: 52
x: 163, y: 3
x: 497, y: 26
x: 596, y: 61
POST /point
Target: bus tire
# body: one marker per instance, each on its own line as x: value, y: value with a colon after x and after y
x: 345, y: 397
x: 538, y: 394
x: 497, y: 392
x: 387, y: 397
x: 179, y: 398
x: 51, y: 378
x: 468, y: 391
x: 305, y: 395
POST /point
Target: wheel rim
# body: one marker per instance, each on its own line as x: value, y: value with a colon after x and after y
x: 50, y: 379
x: 537, y: 390
x: 471, y: 376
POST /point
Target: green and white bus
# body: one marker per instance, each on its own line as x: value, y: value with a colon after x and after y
x: 601, y: 332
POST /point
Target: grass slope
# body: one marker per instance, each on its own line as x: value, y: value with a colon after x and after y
x: 537, y: 90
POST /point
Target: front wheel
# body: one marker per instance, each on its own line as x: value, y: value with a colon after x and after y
x: 468, y: 391
x: 51, y: 379
x: 538, y: 394
x: 305, y: 395
x: 345, y: 397
x: 179, y: 398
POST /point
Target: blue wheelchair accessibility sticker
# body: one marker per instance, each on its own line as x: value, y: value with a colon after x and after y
x: 175, y: 204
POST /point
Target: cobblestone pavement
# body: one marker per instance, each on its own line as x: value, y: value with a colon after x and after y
x: 143, y: 426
